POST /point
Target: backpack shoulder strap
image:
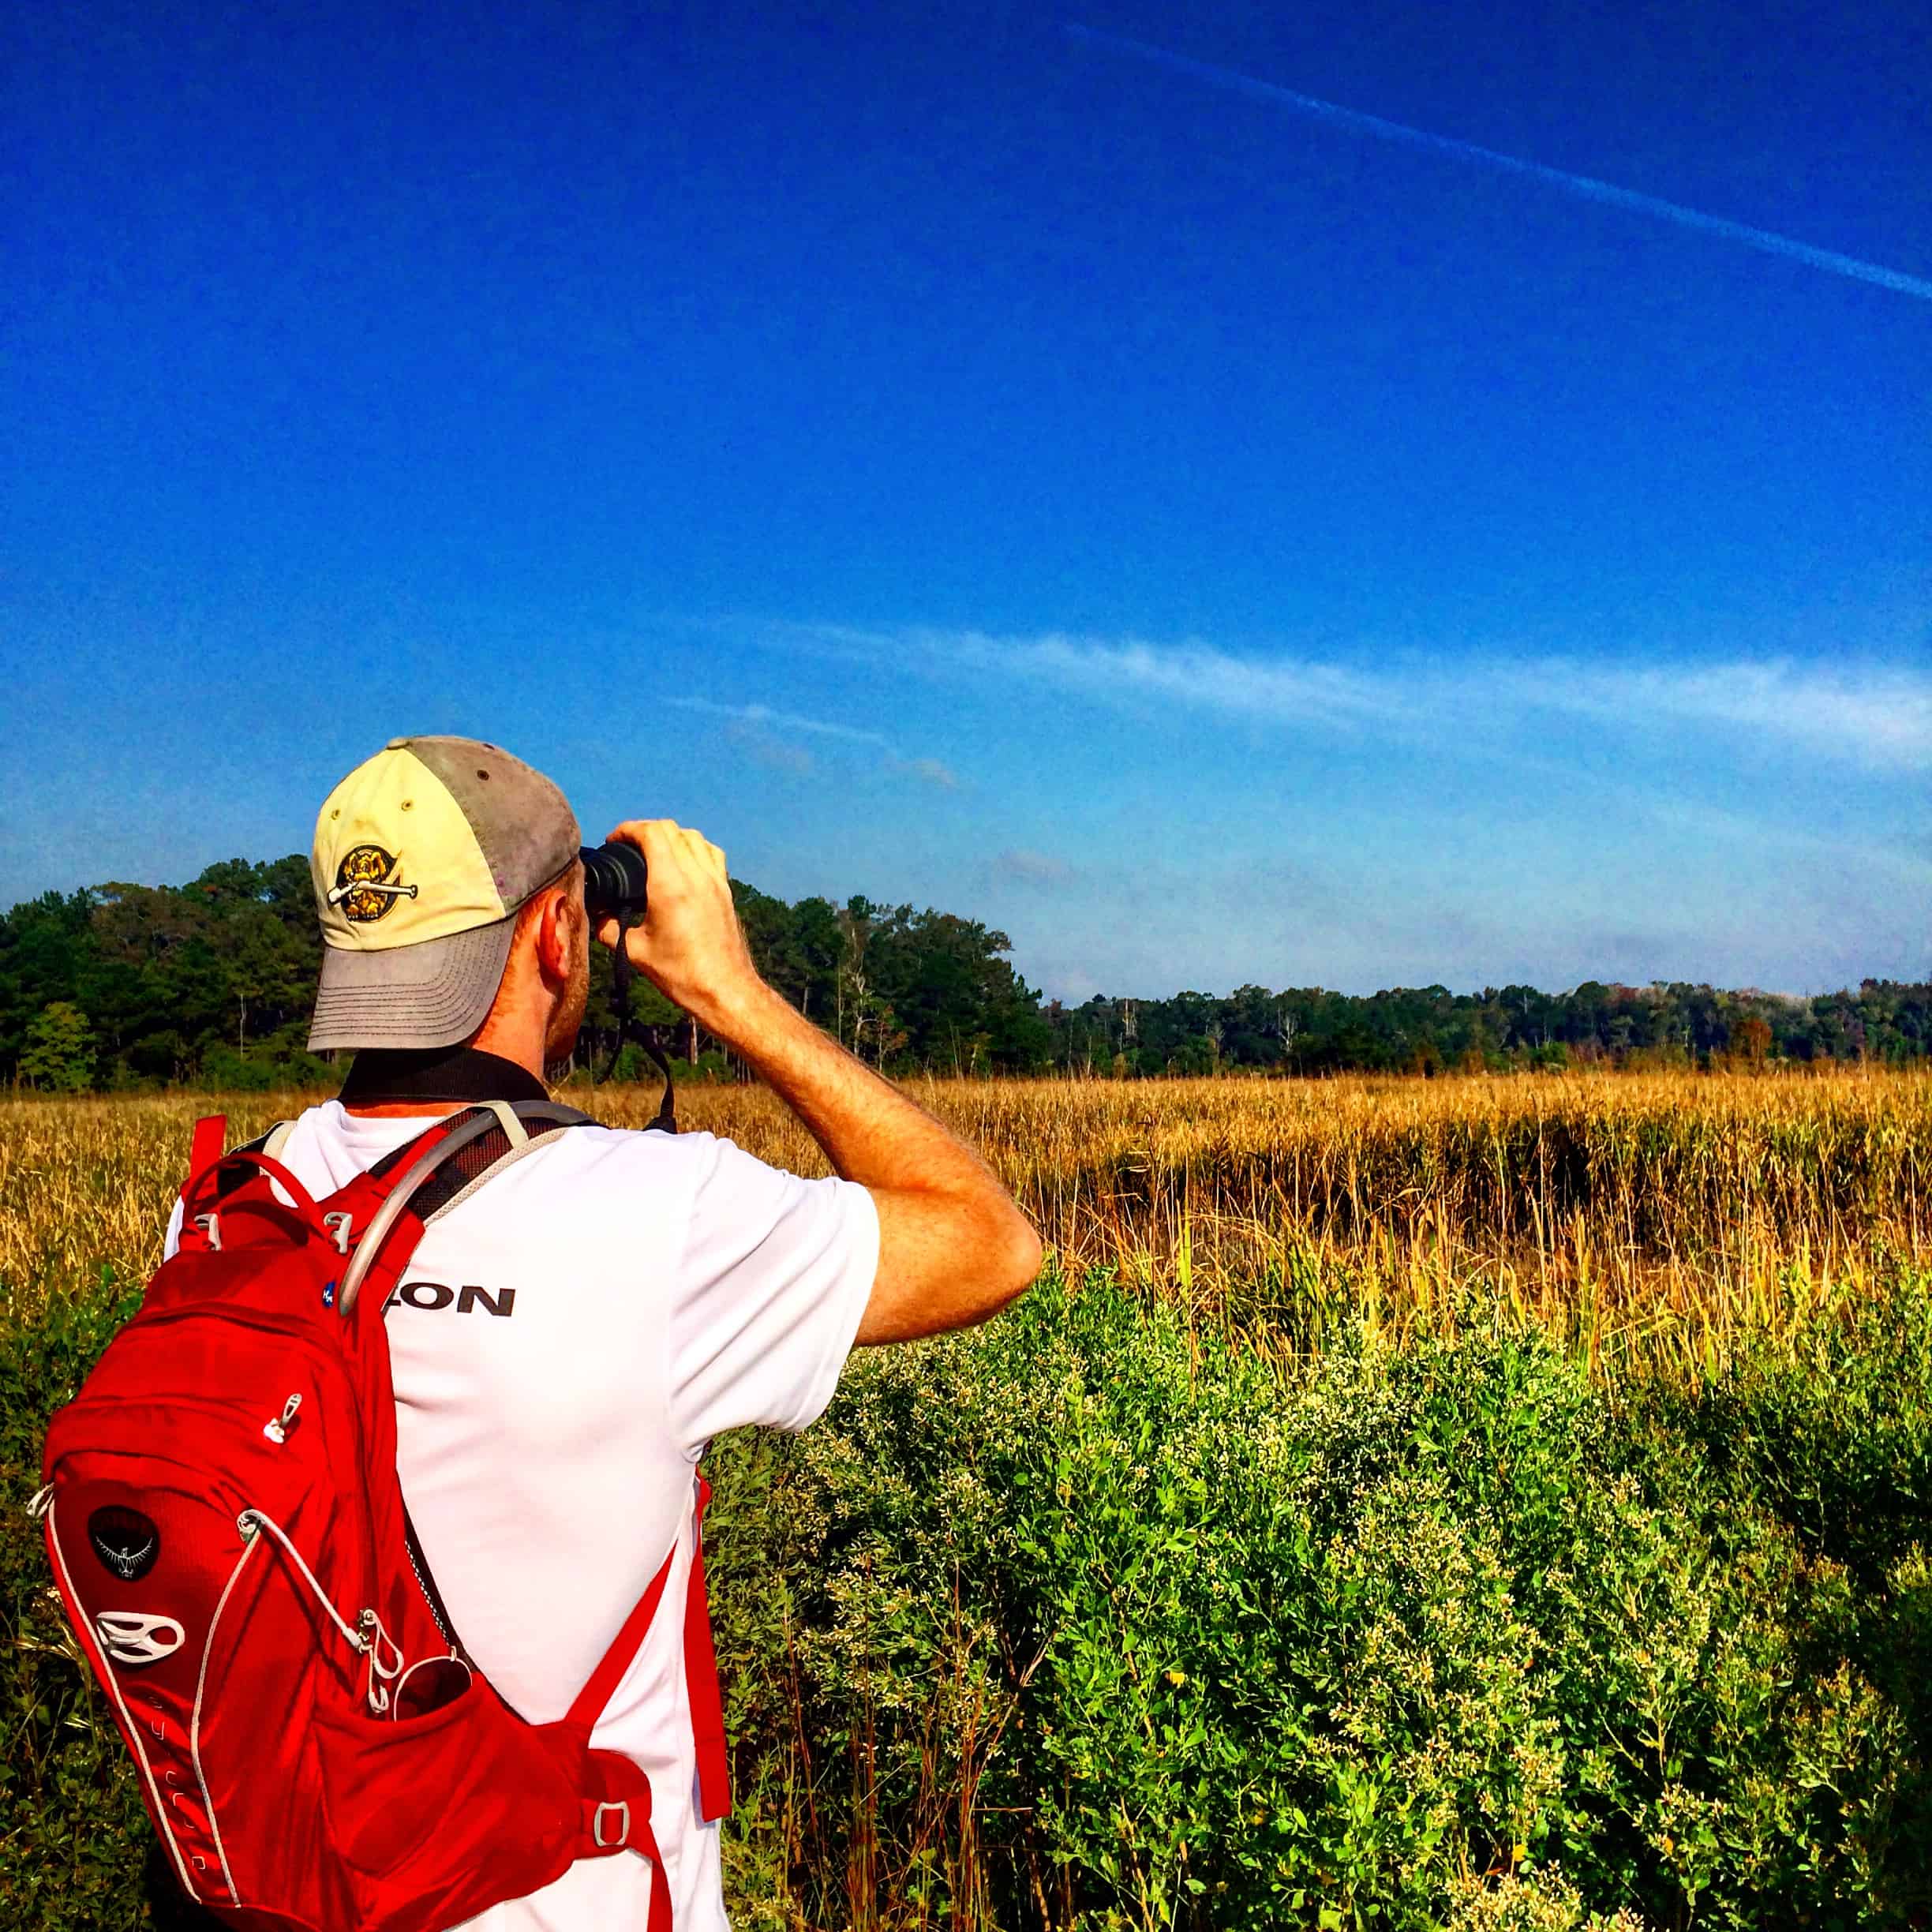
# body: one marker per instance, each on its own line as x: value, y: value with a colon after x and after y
x: 601, y: 1685
x: 419, y: 1183
x: 428, y: 1176
x: 211, y: 1136
x: 523, y: 1124
x: 700, y: 1681
x: 700, y: 1678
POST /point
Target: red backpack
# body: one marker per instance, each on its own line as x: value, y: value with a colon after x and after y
x: 225, y: 1523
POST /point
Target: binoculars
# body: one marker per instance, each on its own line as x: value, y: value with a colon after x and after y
x: 614, y: 877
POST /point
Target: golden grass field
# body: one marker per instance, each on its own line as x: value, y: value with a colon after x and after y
x: 1665, y: 1213
x: 1720, y: 1228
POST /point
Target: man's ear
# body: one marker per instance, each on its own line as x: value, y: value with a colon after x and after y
x: 554, y: 937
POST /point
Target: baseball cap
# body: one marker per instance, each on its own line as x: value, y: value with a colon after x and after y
x: 422, y: 856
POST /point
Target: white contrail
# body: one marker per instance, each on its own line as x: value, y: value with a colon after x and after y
x: 1583, y: 185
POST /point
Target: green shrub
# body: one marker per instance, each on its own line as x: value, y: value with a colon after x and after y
x: 71, y: 1810
x: 1091, y: 1620
x: 1085, y: 1618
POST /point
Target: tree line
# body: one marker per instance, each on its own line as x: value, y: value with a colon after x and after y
x: 1429, y: 1030
x: 119, y: 987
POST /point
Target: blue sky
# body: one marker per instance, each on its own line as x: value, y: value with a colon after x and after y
x: 949, y: 459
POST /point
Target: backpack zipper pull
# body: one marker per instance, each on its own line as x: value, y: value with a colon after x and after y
x: 278, y: 1430
x: 40, y: 1502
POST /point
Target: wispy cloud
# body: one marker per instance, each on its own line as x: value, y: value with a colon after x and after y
x: 931, y: 771
x: 763, y: 731
x: 774, y: 754
x: 1032, y: 868
x: 1191, y: 673
x: 1878, y: 716
x: 764, y: 718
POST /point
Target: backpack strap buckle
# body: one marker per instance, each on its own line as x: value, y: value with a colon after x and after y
x: 621, y: 1807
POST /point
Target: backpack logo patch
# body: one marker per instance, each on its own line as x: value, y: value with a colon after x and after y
x: 131, y: 1636
x: 363, y: 887
x: 126, y: 1542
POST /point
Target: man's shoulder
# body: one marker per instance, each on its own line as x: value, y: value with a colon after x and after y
x: 593, y: 1139
x: 710, y: 1174
x: 586, y: 1140
x: 583, y: 1153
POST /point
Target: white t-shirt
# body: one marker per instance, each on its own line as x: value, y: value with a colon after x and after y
x: 564, y: 1343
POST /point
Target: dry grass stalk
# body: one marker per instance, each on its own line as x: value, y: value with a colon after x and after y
x: 1664, y: 1212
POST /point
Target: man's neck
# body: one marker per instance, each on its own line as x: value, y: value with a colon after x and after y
x: 387, y: 1083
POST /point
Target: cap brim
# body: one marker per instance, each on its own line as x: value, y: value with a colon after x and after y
x: 431, y: 995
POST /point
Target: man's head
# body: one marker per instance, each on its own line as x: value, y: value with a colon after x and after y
x: 451, y: 896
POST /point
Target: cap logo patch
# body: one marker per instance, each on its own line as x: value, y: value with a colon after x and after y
x: 126, y: 1542
x: 363, y: 888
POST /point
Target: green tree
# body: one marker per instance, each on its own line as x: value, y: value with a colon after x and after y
x: 820, y: 940
x: 59, y: 1054
x: 214, y: 980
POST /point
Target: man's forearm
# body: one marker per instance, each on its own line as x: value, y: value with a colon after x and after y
x: 870, y: 1131
x: 954, y: 1247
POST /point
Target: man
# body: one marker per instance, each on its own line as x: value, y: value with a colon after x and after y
x: 566, y: 1341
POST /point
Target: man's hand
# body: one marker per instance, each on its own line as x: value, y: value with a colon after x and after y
x: 689, y: 944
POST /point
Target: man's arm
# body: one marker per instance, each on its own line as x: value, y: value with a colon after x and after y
x: 954, y: 1247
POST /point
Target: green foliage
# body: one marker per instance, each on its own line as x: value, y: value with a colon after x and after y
x: 1429, y: 1030
x: 212, y: 983
x: 71, y: 1810
x: 1093, y: 1620
x: 214, y: 978
x: 59, y: 1054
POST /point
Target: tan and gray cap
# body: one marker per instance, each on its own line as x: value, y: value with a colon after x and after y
x: 423, y: 855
